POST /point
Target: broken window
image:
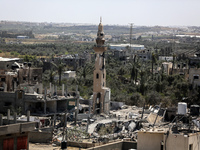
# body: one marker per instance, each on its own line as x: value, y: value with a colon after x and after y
x: 195, y: 77
x: 19, y: 94
x: 7, y: 104
x: 191, y: 147
x: 3, y: 79
x: 35, y: 78
x: 161, y: 147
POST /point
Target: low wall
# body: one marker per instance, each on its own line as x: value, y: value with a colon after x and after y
x: 129, y: 145
x: 80, y: 144
x: 110, y: 146
x: 40, y: 137
x: 122, y: 145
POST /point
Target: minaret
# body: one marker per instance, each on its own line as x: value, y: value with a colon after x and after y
x: 101, y: 94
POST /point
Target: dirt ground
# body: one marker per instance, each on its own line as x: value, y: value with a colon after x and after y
x: 41, y: 146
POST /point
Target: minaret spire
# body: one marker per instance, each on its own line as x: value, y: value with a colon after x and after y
x: 100, y: 34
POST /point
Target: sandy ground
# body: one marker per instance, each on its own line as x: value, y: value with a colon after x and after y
x: 40, y: 146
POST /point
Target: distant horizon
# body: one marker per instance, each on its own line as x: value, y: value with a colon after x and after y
x: 113, y: 12
x: 128, y: 25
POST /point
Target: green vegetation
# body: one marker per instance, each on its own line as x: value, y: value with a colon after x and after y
x: 134, y: 83
x: 46, y: 49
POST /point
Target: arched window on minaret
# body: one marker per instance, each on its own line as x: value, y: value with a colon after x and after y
x: 98, y: 97
x: 97, y: 76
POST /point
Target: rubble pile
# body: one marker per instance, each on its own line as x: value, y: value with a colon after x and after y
x: 119, y: 124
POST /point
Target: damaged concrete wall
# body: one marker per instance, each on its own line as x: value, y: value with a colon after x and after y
x: 31, y: 76
x: 194, y: 141
x: 121, y: 145
x: 11, y: 100
x: 177, y: 142
x: 116, y: 105
x: 107, y: 101
x: 52, y: 106
x: 61, y: 105
x: 150, y: 141
x: 152, y: 117
x: 110, y: 146
x: 40, y: 136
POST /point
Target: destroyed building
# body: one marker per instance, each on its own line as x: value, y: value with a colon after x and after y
x: 182, y: 133
x: 74, y: 61
x: 13, y: 74
x: 21, y: 89
x: 15, y: 136
x: 194, y: 76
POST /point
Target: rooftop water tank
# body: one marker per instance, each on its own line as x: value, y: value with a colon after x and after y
x: 182, y: 108
x: 194, y: 110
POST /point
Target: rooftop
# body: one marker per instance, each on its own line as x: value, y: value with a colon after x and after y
x: 8, y: 59
x: 125, y: 45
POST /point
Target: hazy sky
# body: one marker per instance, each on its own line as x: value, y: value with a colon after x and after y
x: 139, y: 12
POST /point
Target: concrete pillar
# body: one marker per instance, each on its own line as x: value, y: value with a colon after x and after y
x: 45, y: 100
x: 8, y: 116
x: 118, y: 117
x: 40, y: 88
x: 63, y: 89
x: 52, y: 90
x: 28, y: 115
x: 15, y: 86
x: 15, y: 117
x: 5, y: 87
x: 54, y: 120
x: 66, y: 92
x: 77, y: 104
x: 1, y: 119
x: 45, y: 107
x: 55, y: 90
x: 50, y: 87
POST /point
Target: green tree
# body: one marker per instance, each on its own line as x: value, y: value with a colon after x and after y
x: 153, y: 60
x: 59, y: 69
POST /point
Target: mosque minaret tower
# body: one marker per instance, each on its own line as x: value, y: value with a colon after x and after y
x: 101, y: 94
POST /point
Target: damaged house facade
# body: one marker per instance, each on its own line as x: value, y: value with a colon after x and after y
x: 21, y: 89
x: 17, y: 83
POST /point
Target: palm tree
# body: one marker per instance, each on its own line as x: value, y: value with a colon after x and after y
x: 60, y: 68
x: 134, y: 69
x: 173, y: 62
x: 85, y: 70
x: 153, y: 60
x: 142, y: 82
x: 51, y: 76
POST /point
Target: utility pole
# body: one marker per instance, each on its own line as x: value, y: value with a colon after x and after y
x: 77, y: 104
x: 131, y: 30
x: 64, y: 142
